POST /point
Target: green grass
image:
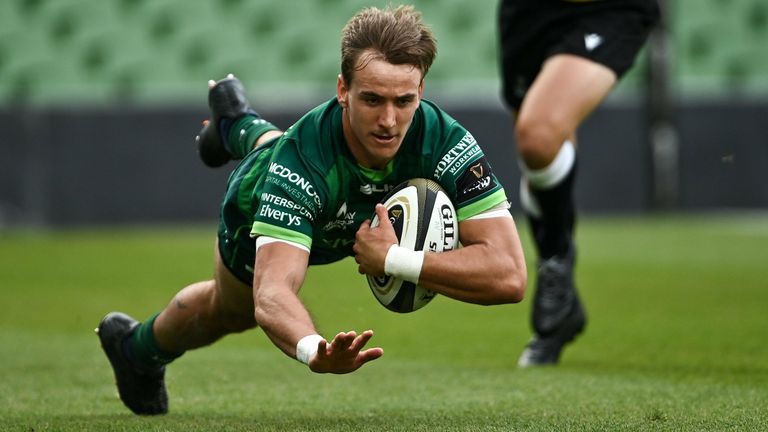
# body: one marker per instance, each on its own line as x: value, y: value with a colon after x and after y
x: 677, y: 340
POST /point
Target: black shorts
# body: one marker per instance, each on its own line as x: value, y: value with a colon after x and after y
x: 609, y: 32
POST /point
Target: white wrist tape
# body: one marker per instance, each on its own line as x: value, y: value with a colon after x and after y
x: 307, y: 347
x: 404, y: 263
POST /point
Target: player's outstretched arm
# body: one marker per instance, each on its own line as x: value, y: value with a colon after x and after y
x: 279, y: 273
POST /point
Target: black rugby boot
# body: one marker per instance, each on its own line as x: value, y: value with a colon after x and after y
x: 558, y: 316
x: 227, y: 102
x: 143, y: 391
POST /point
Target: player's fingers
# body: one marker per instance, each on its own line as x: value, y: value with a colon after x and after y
x: 383, y: 216
x: 358, y: 261
x: 356, y: 248
x: 322, y: 348
x: 369, y: 354
x: 342, y: 341
x: 361, y: 340
x: 349, y: 339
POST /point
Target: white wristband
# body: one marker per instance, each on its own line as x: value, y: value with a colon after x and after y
x: 307, y: 347
x: 404, y: 263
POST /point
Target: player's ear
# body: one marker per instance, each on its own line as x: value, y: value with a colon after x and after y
x: 342, y: 93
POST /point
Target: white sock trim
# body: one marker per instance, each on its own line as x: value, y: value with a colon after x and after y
x: 555, y: 172
x: 527, y: 200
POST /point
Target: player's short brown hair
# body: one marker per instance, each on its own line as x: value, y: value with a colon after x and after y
x: 397, y: 34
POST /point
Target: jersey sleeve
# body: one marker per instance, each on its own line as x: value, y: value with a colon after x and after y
x: 290, y: 199
x: 465, y: 173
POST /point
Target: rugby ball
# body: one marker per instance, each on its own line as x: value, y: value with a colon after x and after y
x: 424, y: 218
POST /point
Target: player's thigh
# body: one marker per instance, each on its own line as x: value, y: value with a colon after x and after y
x: 560, y: 59
x: 234, y: 298
x: 566, y: 90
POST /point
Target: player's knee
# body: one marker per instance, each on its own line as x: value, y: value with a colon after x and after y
x: 538, y: 140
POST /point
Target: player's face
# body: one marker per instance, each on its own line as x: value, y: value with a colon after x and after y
x: 378, y: 109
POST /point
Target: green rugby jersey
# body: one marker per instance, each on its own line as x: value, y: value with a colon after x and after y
x: 307, y: 188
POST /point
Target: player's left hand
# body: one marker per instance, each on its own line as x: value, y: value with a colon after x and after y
x: 372, y: 243
x: 344, y: 354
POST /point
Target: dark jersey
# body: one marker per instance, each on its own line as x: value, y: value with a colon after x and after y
x: 307, y: 188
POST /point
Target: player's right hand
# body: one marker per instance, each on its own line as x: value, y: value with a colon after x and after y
x: 372, y: 243
x: 344, y: 354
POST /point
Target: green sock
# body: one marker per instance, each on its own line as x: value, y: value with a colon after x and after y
x: 142, y: 346
x: 244, y: 133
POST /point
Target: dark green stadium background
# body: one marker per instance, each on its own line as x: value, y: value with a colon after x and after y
x: 160, y: 51
x: 100, y: 101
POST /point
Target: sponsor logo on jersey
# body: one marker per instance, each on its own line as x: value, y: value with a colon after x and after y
x: 343, y: 219
x: 294, y: 193
x: 481, y: 184
x: 281, y: 216
x: 370, y: 189
x: 476, y: 180
x: 286, y: 204
x: 477, y: 170
x: 458, y: 156
x: 295, y: 179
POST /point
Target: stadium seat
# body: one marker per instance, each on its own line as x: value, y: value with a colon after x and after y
x: 163, y: 51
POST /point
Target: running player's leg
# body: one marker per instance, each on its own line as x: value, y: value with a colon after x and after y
x: 560, y: 60
x: 564, y: 93
x: 566, y: 90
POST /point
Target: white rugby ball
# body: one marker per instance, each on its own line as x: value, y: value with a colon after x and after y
x: 424, y: 218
